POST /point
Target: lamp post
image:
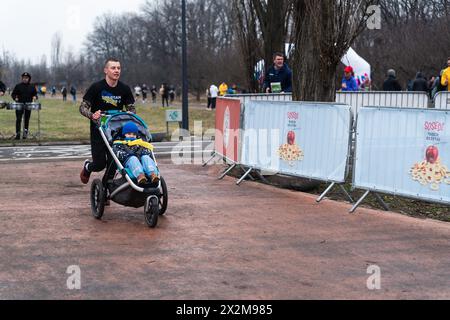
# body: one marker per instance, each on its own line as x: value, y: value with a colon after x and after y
x: 185, y: 104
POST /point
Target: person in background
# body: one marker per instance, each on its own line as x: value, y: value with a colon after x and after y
x: 391, y: 83
x: 154, y: 92
x: 64, y: 93
x: 349, y: 81
x: 437, y: 86
x: 223, y: 88
x: 144, y: 93
x: 420, y: 84
x: 73, y: 92
x: 208, y: 96
x: 445, y: 79
x: 44, y: 91
x: 214, y: 91
x: 24, y: 92
x: 172, y: 93
x: 53, y: 91
x: 278, y: 77
x: 164, y: 92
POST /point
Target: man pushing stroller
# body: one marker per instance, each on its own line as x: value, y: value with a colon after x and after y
x: 136, y: 155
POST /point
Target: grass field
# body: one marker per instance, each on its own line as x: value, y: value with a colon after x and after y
x: 61, y: 121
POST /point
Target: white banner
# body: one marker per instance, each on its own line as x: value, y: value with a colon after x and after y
x: 404, y: 152
x: 442, y: 100
x: 308, y: 140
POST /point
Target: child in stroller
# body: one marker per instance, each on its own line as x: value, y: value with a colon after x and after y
x: 133, y: 180
x: 136, y: 155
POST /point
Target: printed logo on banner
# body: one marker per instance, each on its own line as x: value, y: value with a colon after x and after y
x: 290, y: 151
x: 432, y: 171
x: 226, y: 127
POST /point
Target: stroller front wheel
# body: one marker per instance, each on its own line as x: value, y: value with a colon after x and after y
x: 152, y: 211
x: 98, y: 199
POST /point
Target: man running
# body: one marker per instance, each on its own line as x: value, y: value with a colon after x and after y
x: 108, y: 94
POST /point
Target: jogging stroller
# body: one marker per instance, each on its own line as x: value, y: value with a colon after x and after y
x: 118, y: 183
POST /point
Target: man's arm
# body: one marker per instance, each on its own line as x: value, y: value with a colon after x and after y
x: 131, y: 108
x: 85, y: 109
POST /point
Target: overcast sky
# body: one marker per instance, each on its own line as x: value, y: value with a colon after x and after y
x: 28, y: 26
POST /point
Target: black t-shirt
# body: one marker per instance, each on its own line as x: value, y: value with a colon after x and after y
x: 103, y: 97
x: 24, y: 93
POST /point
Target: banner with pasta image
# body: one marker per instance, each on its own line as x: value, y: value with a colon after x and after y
x: 404, y: 152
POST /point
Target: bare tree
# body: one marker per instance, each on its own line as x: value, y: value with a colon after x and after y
x: 324, y: 31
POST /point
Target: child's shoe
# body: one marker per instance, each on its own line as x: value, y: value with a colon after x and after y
x: 155, y: 178
x: 142, y: 179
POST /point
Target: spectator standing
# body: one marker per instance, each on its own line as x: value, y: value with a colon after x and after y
x: 154, y: 92
x: 144, y: 93
x: 24, y: 92
x: 53, y: 91
x: 172, y: 94
x: 164, y: 92
x: 349, y: 81
x: 445, y: 80
x: 64, y: 93
x: 208, y: 95
x: 391, y: 83
x: 223, y: 88
x: 214, y: 91
x: 73, y: 92
x: 420, y: 84
x: 278, y: 77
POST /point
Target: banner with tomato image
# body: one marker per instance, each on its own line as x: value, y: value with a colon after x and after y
x: 432, y: 171
x: 404, y: 152
x: 308, y: 140
x: 228, y: 121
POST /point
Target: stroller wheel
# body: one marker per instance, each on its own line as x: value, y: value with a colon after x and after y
x: 98, y: 199
x: 152, y: 211
x: 164, y: 199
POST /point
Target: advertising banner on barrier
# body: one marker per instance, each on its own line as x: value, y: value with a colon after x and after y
x: 228, y: 123
x: 442, y: 100
x: 300, y: 139
x: 404, y: 152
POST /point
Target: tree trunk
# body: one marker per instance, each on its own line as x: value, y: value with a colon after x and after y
x: 324, y: 31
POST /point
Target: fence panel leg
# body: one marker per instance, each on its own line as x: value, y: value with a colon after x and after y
x: 212, y: 157
x: 249, y: 175
x: 382, y: 202
x: 357, y: 204
x: 244, y: 176
x: 347, y: 194
x: 227, y: 171
x: 322, y: 196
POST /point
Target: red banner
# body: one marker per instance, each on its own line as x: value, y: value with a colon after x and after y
x: 228, y: 122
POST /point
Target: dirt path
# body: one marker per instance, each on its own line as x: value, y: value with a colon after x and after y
x: 218, y: 241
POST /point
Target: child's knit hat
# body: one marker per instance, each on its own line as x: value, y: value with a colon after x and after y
x: 130, y: 127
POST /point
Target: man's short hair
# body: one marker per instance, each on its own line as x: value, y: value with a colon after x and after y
x: 111, y: 60
x: 391, y: 72
x: 277, y: 54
